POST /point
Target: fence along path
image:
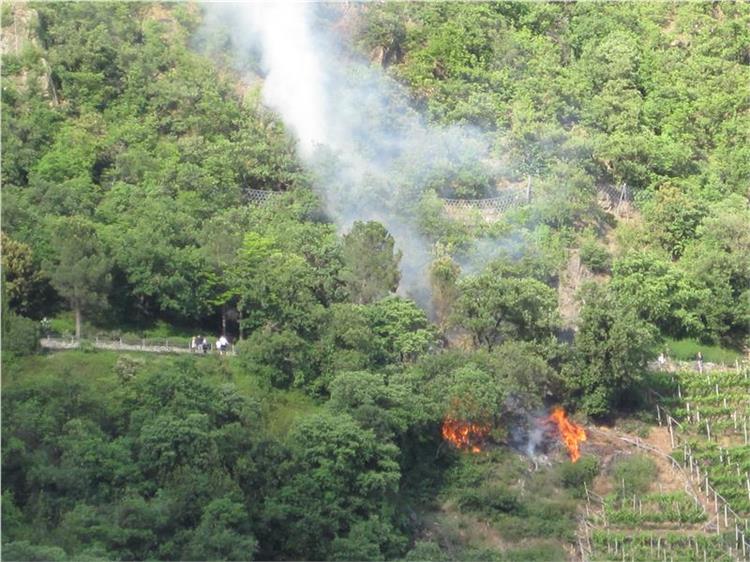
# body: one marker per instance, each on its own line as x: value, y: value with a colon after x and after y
x: 169, y: 346
x: 261, y: 196
x: 505, y: 200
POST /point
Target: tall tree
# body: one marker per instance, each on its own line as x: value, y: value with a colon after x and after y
x: 371, y: 264
x: 611, y: 349
x: 79, y: 270
x: 23, y: 280
x: 494, y: 308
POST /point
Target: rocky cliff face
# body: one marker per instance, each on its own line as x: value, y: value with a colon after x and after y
x: 19, y: 27
x: 18, y: 42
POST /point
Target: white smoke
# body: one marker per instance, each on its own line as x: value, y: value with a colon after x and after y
x: 294, y: 77
x: 372, y: 156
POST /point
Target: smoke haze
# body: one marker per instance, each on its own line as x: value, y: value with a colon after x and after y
x: 372, y: 156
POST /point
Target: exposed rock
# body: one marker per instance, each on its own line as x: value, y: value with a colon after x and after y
x: 19, y: 29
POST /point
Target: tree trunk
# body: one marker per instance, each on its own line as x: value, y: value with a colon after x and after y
x: 223, y: 319
x: 78, y: 322
x: 239, y: 318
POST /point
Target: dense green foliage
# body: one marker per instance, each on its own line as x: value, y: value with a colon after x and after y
x: 127, y: 160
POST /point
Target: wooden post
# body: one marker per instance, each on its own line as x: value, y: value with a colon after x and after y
x: 528, y: 189
x: 671, y: 432
x: 716, y: 502
x: 726, y: 517
x: 658, y: 414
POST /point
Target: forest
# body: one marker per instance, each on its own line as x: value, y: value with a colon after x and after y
x: 283, y: 176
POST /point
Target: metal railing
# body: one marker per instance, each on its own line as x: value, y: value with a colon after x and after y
x: 148, y: 345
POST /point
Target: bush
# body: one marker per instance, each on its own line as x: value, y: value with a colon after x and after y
x: 634, y: 474
x: 595, y: 256
x: 537, y: 553
x: 424, y: 550
x: 574, y: 474
x: 127, y: 367
x: 24, y: 550
x: 489, y: 500
x: 282, y: 359
x: 20, y: 335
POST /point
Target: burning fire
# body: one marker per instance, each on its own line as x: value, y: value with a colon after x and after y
x: 571, y: 433
x: 463, y: 434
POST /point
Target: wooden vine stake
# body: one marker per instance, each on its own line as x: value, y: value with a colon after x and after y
x: 671, y: 431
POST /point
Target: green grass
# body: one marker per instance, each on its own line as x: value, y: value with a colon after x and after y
x: 686, y: 350
x: 75, y: 366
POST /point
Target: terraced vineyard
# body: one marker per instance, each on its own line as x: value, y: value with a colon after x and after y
x: 652, y: 546
x: 708, y: 414
x: 711, y: 412
x: 696, y: 503
x: 669, y: 526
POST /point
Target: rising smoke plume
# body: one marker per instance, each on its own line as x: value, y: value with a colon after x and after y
x: 372, y: 156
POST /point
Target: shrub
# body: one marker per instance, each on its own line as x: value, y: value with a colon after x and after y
x: 127, y: 367
x: 489, y: 500
x: 24, y: 550
x: 634, y: 474
x: 20, y: 335
x: 425, y: 550
x: 595, y: 256
x: 574, y: 474
x: 536, y: 553
x: 282, y: 359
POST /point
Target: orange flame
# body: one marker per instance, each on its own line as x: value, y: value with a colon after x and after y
x: 463, y: 434
x: 572, y: 434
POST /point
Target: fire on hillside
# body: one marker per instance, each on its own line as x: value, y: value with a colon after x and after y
x: 472, y: 436
x: 464, y: 434
x: 571, y: 433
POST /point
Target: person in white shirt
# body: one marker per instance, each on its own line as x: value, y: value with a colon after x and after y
x: 222, y: 344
